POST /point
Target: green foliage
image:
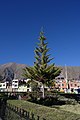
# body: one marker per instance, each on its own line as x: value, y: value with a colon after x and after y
x: 42, y: 71
x: 48, y: 113
x: 34, y: 86
x: 11, y: 115
x: 71, y: 101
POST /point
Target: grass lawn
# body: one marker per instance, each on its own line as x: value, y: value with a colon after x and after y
x: 71, y: 108
x: 65, y: 112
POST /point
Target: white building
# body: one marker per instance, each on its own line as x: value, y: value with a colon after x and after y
x: 23, y: 88
x: 15, y: 84
x: 15, y: 87
x: 2, y: 86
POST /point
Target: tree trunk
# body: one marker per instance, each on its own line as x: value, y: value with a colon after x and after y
x: 43, y: 90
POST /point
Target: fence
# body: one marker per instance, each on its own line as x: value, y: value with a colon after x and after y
x: 23, y: 113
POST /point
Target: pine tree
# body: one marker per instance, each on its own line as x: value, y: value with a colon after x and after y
x: 42, y: 71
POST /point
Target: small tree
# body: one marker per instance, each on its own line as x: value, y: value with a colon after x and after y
x: 42, y: 71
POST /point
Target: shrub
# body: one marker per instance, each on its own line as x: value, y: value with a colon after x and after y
x: 71, y: 101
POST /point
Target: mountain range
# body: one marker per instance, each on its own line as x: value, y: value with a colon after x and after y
x: 10, y: 70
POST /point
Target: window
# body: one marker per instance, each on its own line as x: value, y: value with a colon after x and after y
x: 62, y: 84
x: 71, y: 85
x: 16, y: 81
x: 27, y: 90
x: 75, y: 85
x: 28, y: 85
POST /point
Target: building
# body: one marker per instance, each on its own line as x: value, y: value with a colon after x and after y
x: 15, y: 84
x: 66, y: 86
x: 23, y: 88
x: 2, y: 86
x: 60, y: 84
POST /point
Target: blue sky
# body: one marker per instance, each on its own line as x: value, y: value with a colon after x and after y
x: 20, y: 24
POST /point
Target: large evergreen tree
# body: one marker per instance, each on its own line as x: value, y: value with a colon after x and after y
x: 42, y: 71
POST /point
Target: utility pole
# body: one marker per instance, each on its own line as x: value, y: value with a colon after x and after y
x: 66, y: 76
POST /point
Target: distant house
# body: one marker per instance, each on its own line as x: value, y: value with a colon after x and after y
x: 74, y: 84
x: 15, y: 84
x: 2, y: 86
x: 60, y: 84
x: 67, y: 86
x: 23, y: 88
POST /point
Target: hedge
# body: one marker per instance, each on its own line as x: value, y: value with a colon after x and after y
x: 45, y: 112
